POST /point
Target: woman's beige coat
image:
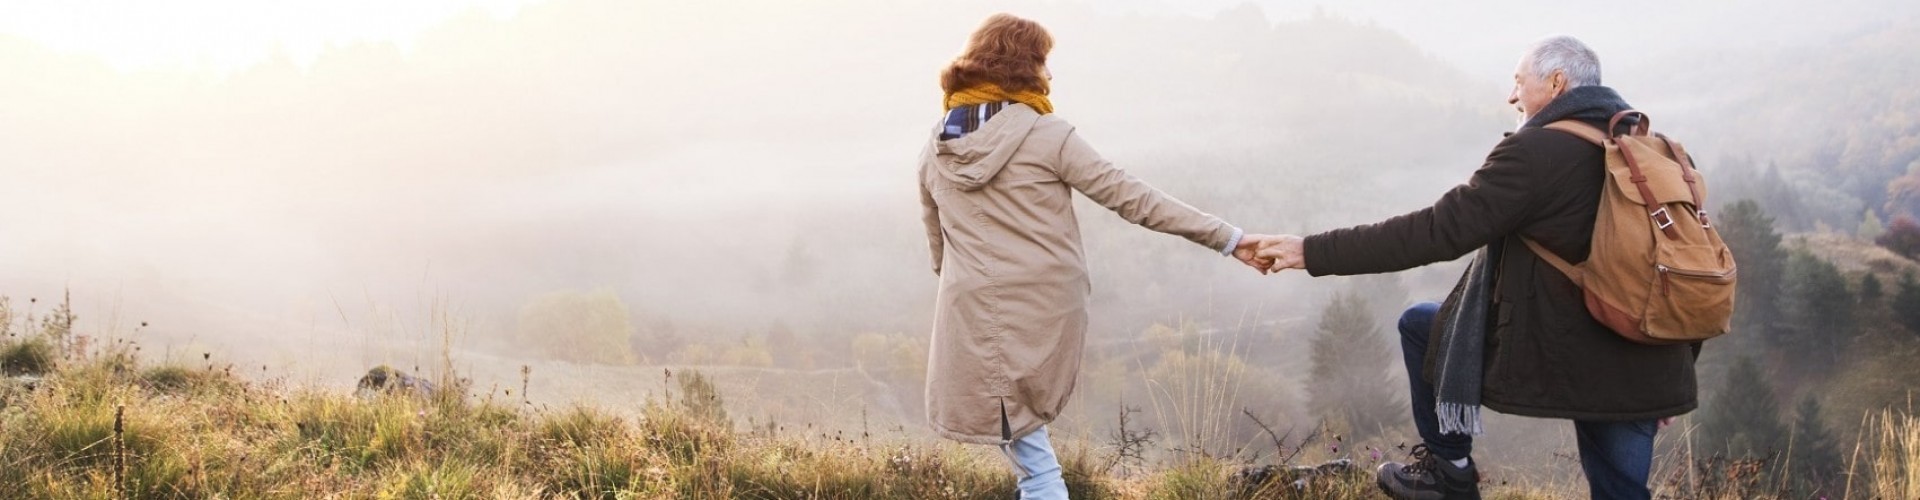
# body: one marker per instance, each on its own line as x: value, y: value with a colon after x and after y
x: 1011, y: 315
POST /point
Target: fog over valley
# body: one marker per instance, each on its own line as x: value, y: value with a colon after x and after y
x: 602, y: 192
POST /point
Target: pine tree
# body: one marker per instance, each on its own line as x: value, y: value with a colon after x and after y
x: 1816, y: 312
x: 1354, y: 371
x: 1750, y: 233
x: 1743, y: 419
x: 1906, y: 304
x: 1777, y: 193
x: 1870, y: 227
x: 1385, y: 293
x: 1815, y: 460
x: 1870, y: 290
x: 700, y: 399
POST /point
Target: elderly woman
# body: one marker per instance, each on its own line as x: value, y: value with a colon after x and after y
x: 996, y: 181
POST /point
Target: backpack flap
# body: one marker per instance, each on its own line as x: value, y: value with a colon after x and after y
x: 1664, y: 177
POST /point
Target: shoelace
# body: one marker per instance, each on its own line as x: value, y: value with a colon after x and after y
x: 1424, y: 461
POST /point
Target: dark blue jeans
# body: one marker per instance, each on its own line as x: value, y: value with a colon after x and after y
x: 1617, y: 457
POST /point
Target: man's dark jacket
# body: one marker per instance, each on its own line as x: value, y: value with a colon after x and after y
x: 1545, y: 355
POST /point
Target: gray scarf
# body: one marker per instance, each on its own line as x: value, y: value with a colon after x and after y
x: 1457, y: 368
x: 1458, y: 363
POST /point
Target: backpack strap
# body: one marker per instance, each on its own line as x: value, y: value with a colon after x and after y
x: 1557, y: 262
x: 1639, y: 179
x: 1686, y: 173
x: 1639, y: 127
x: 1591, y: 134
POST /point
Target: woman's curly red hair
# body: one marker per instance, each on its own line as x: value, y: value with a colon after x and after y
x: 1005, y: 50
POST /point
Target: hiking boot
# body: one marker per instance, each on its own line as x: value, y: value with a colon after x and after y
x: 1429, y: 477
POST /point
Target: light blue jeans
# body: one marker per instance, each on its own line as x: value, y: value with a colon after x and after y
x: 1038, y: 468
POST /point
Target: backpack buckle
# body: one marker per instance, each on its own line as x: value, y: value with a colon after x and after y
x: 1662, y: 217
x: 1703, y: 220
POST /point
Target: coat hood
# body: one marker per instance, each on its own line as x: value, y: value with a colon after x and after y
x: 1592, y: 104
x: 972, y: 161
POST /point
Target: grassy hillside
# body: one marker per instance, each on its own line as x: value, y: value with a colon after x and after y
x: 105, y: 424
x: 1855, y: 255
x: 81, y: 421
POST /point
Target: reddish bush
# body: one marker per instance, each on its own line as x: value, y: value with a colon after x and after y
x: 1902, y: 237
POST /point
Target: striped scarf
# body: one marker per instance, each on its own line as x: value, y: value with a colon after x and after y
x: 967, y: 118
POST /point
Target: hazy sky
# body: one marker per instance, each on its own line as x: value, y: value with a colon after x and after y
x: 1483, y: 36
x: 161, y: 155
x: 317, y: 184
x: 224, y: 35
x: 1486, y: 36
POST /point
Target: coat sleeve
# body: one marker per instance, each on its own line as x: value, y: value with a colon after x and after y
x: 1495, y: 202
x: 930, y: 215
x: 1083, y: 169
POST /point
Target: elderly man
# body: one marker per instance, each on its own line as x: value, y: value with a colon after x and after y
x: 1515, y: 335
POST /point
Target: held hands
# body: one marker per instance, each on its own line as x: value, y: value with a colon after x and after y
x: 1270, y: 253
x: 1286, y: 251
x: 1246, y: 252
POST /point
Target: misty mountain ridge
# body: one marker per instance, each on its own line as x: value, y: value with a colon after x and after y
x: 728, y: 187
x: 1836, y: 120
x: 590, y: 143
x: 514, y: 135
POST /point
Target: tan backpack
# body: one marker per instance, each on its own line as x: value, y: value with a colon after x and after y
x: 1658, y: 273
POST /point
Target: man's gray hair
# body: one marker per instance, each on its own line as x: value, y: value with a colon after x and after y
x: 1567, y: 54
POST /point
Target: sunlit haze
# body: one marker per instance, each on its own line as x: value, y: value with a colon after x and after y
x: 221, y: 36
x: 309, y: 188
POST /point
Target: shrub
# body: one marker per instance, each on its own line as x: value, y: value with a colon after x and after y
x: 581, y: 427
x: 1906, y: 303
x: 589, y: 327
x: 361, y: 433
x: 32, y: 356
x: 176, y: 379
x: 78, y: 438
x: 167, y: 378
x: 1902, y: 237
x: 602, y: 471
x: 701, y: 400
x: 684, y: 439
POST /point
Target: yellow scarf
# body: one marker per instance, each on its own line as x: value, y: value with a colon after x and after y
x: 987, y: 92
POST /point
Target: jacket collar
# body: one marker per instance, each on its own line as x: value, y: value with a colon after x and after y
x: 1592, y: 104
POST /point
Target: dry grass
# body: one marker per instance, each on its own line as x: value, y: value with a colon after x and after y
x: 1894, y: 460
x: 1883, y: 464
x: 101, y: 425
x: 203, y: 433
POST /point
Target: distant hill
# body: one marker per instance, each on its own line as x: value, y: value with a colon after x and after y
x: 1840, y: 121
x: 487, y: 145
x: 1854, y: 255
